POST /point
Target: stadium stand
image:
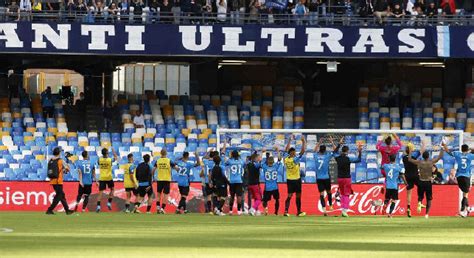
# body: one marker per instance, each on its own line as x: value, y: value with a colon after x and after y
x: 177, y: 123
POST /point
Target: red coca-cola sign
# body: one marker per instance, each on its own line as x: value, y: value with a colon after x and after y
x: 37, y: 196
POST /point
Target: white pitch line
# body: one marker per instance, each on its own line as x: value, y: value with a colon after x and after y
x: 6, y: 230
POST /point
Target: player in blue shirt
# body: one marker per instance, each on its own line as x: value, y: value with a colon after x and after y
x: 393, y: 172
x: 86, y: 176
x: 184, y: 167
x: 323, y: 179
x: 235, y: 168
x: 271, y: 172
x: 208, y: 191
x: 463, y: 175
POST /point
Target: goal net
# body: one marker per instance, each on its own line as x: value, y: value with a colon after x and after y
x: 367, y: 171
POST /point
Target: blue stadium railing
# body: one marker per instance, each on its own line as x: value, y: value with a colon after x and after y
x: 237, y: 18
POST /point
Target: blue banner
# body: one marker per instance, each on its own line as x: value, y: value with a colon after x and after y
x: 237, y: 41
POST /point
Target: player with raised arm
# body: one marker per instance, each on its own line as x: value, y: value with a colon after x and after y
x: 106, y: 177
x: 163, y: 168
x: 144, y: 176
x: 411, y: 172
x: 184, y: 173
x: 86, y: 177
x: 464, y: 159
x: 293, y: 175
x: 425, y: 185
x: 387, y: 150
x: 344, y: 175
x: 394, y: 172
x: 271, y: 171
x: 129, y: 181
x: 323, y: 179
x: 208, y: 191
x: 235, y: 167
x: 220, y: 182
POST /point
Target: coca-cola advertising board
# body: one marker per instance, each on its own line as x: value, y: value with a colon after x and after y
x: 36, y: 196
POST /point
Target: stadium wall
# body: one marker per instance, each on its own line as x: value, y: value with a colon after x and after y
x: 36, y: 196
x: 230, y: 40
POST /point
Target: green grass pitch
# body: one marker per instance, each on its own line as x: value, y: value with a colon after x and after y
x: 197, y: 235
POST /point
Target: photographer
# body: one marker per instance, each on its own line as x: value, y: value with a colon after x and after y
x: 56, y: 170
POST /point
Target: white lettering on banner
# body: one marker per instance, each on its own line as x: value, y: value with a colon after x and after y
x: 278, y: 35
x: 414, y: 45
x: 9, y: 35
x: 231, y: 39
x: 371, y: 37
x: 470, y: 41
x: 18, y: 197
x: 188, y: 37
x: 97, y: 33
x: 135, y: 35
x: 361, y: 202
x: 331, y: 39
x: 44, y: 31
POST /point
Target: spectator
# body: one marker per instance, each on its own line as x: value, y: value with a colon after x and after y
x: 381, y: 11
x: 452, y: 180
x: 108, y: 115
x: 176, y: 10
x: 221, y: 10
x: 431, y: 11
x: 24, y: 98
x: 254, y: 9
x: 300, y: 11
x: 195, y: 10
x: 124, y: 7
x: 366, y: 8
x: 448, y: 7
x: 81, y: 7
x: 137, y: 10
x: 437, y: 176
x: 154, y: 7
x: 25, y: 10
x: 139, y: 120
x: 13, y: 11
x: 237, y: 8
x: 398, y: 11
x: 3, y: 9
x: 37, y: 6
x: 313, y: 12
x: 71, y: 7
x: 58, y: 165
x: 113, y: 11
x: 47, y: 103
x: 81, y: 110
x: 53, y: 6
x: 409, y: 6
x: 338, y: 7
x: 165, y: 11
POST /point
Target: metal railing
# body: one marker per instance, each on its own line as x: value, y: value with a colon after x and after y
x: 234, y: 17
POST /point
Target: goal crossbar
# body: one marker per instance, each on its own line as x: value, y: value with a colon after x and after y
x: 220, y: 131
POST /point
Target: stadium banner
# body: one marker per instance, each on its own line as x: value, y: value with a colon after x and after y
x: 36, y: 196
x: 250, y: 40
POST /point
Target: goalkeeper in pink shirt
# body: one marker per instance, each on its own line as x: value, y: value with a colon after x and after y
x: 388, y: 149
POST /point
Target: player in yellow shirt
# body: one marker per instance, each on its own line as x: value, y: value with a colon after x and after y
x: 293, y: 175
x: 106, y: 177
x: 163, y: 168
x: 129, y: 181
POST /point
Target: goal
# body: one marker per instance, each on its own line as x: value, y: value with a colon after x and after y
x: 367, y: 171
